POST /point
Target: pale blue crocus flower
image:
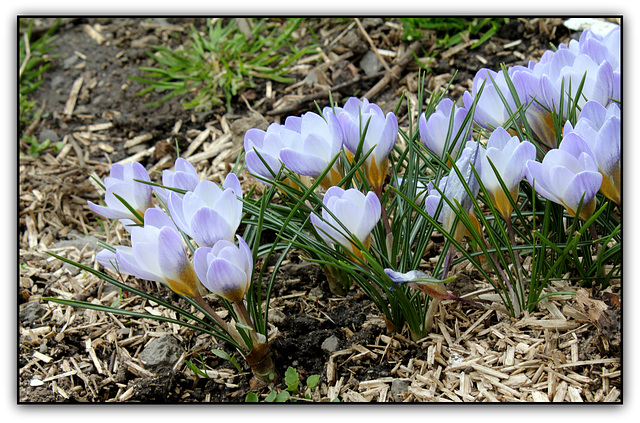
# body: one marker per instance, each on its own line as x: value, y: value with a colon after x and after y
x: 262, y: 150
x: 122, y: 182
x: 455, y: 190
x: 157, y: 253
x: 184, y: 177
x: 600, y: 128
x: 225, y: 269
x: 509, y: 157
x: 566, y: 71
x: 601, y: 48
x: 433, y: 198
x: 356, y: 214
x: 434, y: 131
x: 490, y: 111
x: 318, y: 142
x: 382, y: 131
x: 209, y: 213
x: 567, y: 175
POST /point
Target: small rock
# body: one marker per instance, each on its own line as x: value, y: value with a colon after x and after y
x: 79, y: 241
x: 370, y: 63
x: 31, y: 312
x: 48, y: 134
x: 331, y: 344
x: 398, y: 386
x: 57, y: 82
x: 162, y: 352
x: 70, y: 61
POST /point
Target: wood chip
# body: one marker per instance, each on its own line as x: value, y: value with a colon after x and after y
x: 73, y: 97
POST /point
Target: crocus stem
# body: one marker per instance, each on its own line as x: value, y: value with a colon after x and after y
x: 431, y: 312
x: 518, y: 263
x: 261, y: 363
x: 447, y: 263
x: 514, y: 300
x: 212, y: 313
x: 243, y: 315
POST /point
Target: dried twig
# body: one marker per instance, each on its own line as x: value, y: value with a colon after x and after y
x: 396, y: 70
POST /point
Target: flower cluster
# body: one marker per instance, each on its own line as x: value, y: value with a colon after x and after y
x: 202, y: 210
x: 307, y: 144
x: 186, y: 242
x: 550, y: 129
x: 586, y: 73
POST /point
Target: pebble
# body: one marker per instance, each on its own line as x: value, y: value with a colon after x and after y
x: 330, y: 344
x: 370, y: 63
x: 162, y: 352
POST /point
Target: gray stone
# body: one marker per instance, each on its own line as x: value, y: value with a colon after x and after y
x: 331, y: 344
x: 70, y: 61
x: 79, y: 241
x: 370, y: 64
x: 162, y: 352
x: 31, y: 312
x: 48, y: 134
x: 399, y: 386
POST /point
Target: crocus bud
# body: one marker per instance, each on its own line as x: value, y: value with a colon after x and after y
x: 121, y: 182
x: 358, y: 213
x: 455, y: 190
x: 490, y: 111
x: 318, y: 142
x: 184, y: 177
x: 225, y: 269
x: 381, y: 134
x: 262, y: 150
x: 208, y: 213
x: 157, y: 253
x: 600, y: 128
x: 509, y: 157
x: 434, y: 130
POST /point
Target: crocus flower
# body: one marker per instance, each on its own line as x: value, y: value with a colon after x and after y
x: 601, y: 49
x: 509, y: 157
x: 566, y: 175
x: 420, y: 280
x: 184, y: 177
x: 434, y: 197
x: 490, y: 111
x: 434, y: 131
x: 208, y: 213
x: 157, y: 253
x: 358, y: 213
x: 600, y: 128
x: 262, y: 150
x: 455, y: 190
x: 225, y: 269
x: 121, y: 182
x: 382, y: 132
x: 565, y: 73
x: 318, y: 142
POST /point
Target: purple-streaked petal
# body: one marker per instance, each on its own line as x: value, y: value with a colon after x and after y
x: 208, y: 226
x: 231, y: 181
x: 201, y: 262
x: 304, y: 164
x: 227, y: 280
x: 171, y: 254
x: 584, y: 183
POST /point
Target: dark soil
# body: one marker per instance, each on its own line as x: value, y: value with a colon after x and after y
x: 305, y: 315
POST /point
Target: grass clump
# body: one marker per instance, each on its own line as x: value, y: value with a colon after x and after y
x: 227, y: 57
